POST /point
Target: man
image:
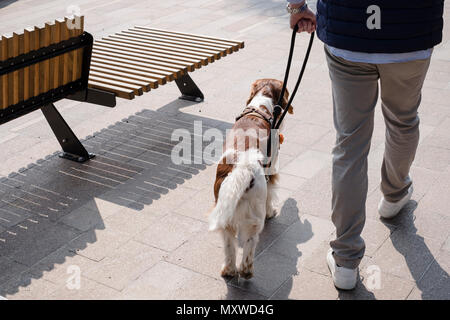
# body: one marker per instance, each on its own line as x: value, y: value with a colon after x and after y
x: 366, y: 41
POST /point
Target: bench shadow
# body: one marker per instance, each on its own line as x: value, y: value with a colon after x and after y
x: 132, y: 169
x: 276, y: 260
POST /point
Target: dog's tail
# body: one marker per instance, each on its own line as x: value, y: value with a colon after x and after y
x: 233, y: 188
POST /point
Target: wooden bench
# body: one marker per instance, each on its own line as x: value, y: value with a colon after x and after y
x: 59, y: 60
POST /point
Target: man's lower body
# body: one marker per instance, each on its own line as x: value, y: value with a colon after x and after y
x: 355, y: 89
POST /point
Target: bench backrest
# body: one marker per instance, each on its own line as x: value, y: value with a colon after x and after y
x: 43, y: 64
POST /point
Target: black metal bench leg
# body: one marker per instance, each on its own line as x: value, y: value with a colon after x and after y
x: 72, y: 147
x: 189, y: 90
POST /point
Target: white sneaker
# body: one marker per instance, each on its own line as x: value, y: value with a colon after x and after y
x: 388, y: 210
x: 343, y: 278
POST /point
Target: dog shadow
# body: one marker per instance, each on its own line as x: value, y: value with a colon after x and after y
x: 277, y: 255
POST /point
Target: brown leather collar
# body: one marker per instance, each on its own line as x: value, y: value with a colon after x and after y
x: 261, y: 112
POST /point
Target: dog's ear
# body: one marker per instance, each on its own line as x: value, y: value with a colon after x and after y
x: 276, y: 87
x: 253, y: 91
x: 286, y: 101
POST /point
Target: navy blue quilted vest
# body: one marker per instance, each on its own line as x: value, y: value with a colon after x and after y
x: 406, y: 25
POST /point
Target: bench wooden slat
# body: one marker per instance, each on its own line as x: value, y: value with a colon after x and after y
x: 9, y: 53
x: 14, y: 52
x: 4, y: 78
x: 178, y: 72
x: 76, y: 53
x: 192, y: 47
x: 204, y: 59
x: 37, y: 66
x: 1, y: 78
x: 67, y: 57
x: 161, y: 80
x: 44, y: 66
x: 190, y: 64
x: 210, y: 56
x: 136, y: 88
x: 142, y: 57
x: 145, y: 85
x: 27, y: 74
x: 54, y: 67
x: 153, y: 83
x: 75, y: 57
x: 56, y: 38
x: 59, y: 26
x: 184, y: 41
x: 20, y: 88
x: 234, y: 45
x: 170, y: 75
x: 47, y: 66
x: 119, y: 91
x: 159, y: 53
x: 80, y: 57
x: 240, y: 44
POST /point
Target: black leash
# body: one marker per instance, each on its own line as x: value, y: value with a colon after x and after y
x: 278, y: 109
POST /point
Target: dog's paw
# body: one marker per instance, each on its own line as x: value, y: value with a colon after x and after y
x: 246, y: 272
x: 228, y: 271
x: 271, y: 213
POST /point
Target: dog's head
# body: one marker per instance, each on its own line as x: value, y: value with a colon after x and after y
x: 270, y: 88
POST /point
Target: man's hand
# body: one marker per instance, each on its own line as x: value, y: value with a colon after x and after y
x: 305, y: 20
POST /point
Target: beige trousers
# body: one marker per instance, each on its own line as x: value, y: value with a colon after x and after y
x: 355, y: 94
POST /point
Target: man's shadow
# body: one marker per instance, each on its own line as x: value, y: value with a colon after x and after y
x: 437, y: 287
x: 359, y: 293
x: 413, y: 249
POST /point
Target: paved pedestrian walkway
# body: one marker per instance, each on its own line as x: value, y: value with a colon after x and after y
x: 131, y: 224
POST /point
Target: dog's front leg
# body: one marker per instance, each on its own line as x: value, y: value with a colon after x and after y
x: 229, y: 266
x: 271, y: 197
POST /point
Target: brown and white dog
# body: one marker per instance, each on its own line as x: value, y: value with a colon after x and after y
x: 243, y: 192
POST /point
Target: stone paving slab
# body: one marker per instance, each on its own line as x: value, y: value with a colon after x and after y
x: 124, y: 265
x: 134, y: 224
